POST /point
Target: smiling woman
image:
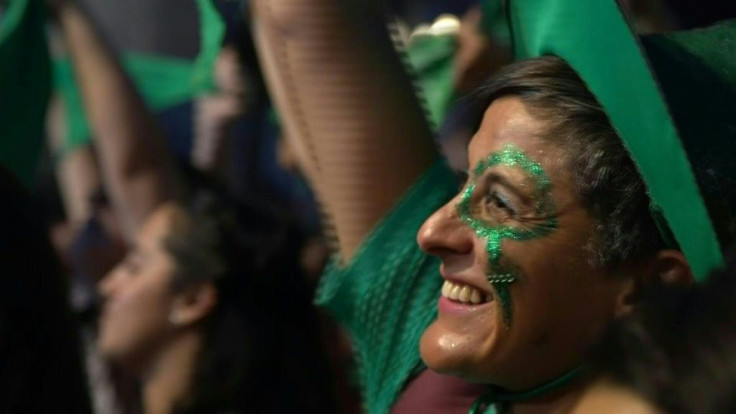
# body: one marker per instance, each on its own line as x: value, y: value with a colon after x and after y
x: 526, y: 223
x: 554, y: 234
x: 557, y: 218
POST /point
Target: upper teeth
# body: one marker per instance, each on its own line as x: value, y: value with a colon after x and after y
x: 462, y: 293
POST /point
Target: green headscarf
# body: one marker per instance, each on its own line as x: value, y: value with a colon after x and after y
x: 657, y: 93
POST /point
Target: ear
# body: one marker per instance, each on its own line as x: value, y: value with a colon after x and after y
x: 666, y: 267
x: 669, y: 267
x: 193, y: 304
x: 627, y: 295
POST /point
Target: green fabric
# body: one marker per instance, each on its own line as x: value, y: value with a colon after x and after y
x: 697, y: 74
x: 494, y: 23
x: 212, y: 32
x: 432, y: 57
x: 595, y: 39
x: 162, y: 81
x: 387, y: 295
x: 432, y: 60
x: 25, y: 79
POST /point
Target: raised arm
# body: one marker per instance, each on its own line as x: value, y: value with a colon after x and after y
x: 76, y: 171
x: 133, y: 160
x: 347, y: 104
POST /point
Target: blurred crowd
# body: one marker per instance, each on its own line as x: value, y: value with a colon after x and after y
x: 163, y: 241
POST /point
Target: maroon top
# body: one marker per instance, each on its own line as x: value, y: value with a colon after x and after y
x: 432, y: 393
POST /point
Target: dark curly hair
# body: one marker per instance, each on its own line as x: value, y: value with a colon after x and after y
x: 677, y: 349
x: 261, y: 349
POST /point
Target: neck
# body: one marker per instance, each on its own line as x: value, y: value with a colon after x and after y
x: 554, y: 397
x: 169, y: 378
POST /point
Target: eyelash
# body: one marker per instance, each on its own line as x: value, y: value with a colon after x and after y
x: 501, y: 202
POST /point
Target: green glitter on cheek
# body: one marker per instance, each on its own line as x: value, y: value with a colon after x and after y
x: 513, y: 157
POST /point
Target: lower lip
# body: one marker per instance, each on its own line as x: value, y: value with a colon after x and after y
x: 447, y: 306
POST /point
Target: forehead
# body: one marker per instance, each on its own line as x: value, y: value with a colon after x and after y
x: 157, y: 226
x: 508, y: 121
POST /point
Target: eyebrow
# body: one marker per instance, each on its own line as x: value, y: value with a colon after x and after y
x: 496, y: 178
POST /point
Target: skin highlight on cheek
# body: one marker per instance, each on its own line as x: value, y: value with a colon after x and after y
x: 494, y: 234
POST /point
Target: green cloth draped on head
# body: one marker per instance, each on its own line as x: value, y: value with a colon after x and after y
x: 25, y: 84
x: 672, y: 100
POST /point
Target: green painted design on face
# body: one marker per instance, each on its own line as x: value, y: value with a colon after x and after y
x: 494, y: 234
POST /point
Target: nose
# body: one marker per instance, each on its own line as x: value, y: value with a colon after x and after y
x: 443, y: 233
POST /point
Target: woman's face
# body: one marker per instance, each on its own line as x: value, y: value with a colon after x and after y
x: 138, y: 296
x: 521, y: 302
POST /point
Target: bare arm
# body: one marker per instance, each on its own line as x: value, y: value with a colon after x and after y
x: 132, y: 154
x: 76, y: 171
x: 347, y: 104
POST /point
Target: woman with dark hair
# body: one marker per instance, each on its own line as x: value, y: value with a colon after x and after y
x: 41, y: 366
x: 589, y: 182
x: 209, y: 307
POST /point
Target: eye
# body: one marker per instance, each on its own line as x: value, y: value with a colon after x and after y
x: 496, y: 201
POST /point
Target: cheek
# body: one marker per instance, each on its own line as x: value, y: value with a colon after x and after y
x: 562, y: 304
x: 136, y: 318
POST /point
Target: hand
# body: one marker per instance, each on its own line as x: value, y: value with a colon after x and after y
x: 477, y: 55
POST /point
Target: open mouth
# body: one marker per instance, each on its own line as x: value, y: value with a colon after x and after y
x: 465, y: 294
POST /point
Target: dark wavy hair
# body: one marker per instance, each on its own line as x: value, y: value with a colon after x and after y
x: 261, y: 350
x: 678, y: 351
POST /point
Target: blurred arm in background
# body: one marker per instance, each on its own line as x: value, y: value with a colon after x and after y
x: 347, y: 105
x: 133, y: 161
x: 76, y: 170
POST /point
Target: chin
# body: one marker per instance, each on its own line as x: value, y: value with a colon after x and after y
x: 113, y: 348
x: 448, y: 353
x: 108, y: 352
x: 123, y: 356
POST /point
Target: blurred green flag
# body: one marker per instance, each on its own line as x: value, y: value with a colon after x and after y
x: 25, y: 85
x: 163, y: 81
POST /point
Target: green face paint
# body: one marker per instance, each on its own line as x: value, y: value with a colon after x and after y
x: 494, y: 234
